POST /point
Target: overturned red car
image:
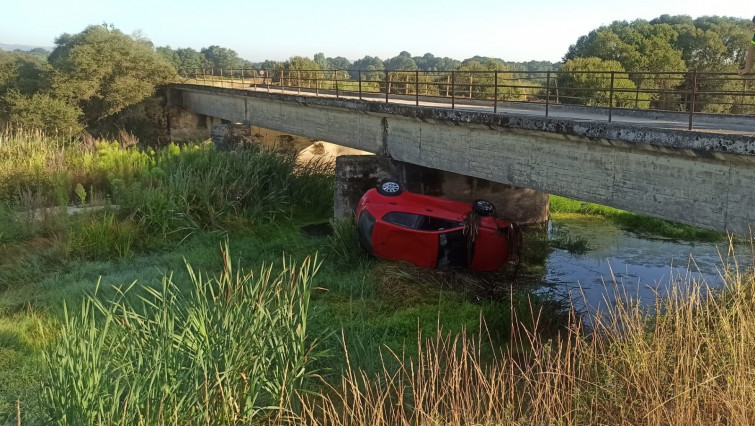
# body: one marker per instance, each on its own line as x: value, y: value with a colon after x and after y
x: 431, y: 231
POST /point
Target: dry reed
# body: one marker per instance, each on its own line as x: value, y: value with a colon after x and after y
x: 688, y: 359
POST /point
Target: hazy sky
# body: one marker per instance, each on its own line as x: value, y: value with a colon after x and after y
x: 516, y: 30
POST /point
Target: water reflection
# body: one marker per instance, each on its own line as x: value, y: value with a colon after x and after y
x: 636, y: 267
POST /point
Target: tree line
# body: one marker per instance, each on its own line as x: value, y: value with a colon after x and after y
x: 102, y: 79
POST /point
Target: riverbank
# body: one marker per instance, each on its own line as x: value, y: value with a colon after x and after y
x: 372, y: 342
x: 179, y: 206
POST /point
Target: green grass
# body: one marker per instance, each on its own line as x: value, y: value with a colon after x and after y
x: 641, y: 225
x: 231, y: 350
x: 176, y: 205
x: 377, y: 304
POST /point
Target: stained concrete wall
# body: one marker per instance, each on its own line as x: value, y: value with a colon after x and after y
x: 190, y: 126
x: 702, y: 179
x: 355, y: 174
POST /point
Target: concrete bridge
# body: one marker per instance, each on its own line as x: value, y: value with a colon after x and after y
x: 643, y: 162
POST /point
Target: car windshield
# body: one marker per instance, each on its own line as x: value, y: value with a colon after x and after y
x: 420, y: 222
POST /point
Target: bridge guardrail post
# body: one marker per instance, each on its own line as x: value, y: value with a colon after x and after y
x: 359, y: 76
x: 547, y: 92
x: 453, y: 90
x: 692, y: 98
x: 610, y: 97
x: 335, y: 77
x: 744, y: 91
x: 387, y: 84
x: 416, y: 87
x: 495, y: 92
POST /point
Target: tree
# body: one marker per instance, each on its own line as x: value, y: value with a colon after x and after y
x: 587, y: 81
x: 170, y: 56
x: 674, y: 44
x: 302, y: 72
x: 191, y: 60
x: 342, y: 65
x: 39, y: 52
x: 221, y: 58
x: 371, y: 68
x: 429, y: 62
x: 638, y: 46
x: 103, y: 71
x: 477, y: 80
x: 339, y: 63
x: 25, y: 73
x: 321, y: 61
x: 403, y: 62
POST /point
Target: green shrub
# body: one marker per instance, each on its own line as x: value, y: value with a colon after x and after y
x: 45, y: 113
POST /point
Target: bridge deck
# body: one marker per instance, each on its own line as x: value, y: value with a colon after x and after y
x: 703, y: 123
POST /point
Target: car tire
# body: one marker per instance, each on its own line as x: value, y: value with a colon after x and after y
x: 483, y: 207
x: 390, y: 188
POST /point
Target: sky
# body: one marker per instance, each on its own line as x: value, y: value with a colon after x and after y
x: 514, y: 30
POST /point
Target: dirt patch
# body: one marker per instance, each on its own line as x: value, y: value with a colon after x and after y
x: 326, y: 152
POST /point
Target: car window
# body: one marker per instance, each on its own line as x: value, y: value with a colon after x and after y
x: 437, y: 224
x: 407, y: 220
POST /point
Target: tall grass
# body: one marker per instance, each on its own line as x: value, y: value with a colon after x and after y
x: 690, y: 359
x: 165, y: 194
x: 232, y: 352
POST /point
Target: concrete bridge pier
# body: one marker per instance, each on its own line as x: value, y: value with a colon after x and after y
x: 190, y: 126
x: 355, y: 174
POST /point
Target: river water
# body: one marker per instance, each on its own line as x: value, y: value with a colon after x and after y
x: 622, y: 265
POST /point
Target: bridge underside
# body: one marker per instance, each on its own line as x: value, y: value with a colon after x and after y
x: 683, y: 177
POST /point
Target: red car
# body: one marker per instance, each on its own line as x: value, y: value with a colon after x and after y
x: 432, y: 232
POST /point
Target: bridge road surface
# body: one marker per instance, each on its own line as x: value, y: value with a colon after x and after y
x: 704, y: 123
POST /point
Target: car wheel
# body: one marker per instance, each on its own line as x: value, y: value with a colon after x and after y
x: 483, y: 208
x: 390, y: 188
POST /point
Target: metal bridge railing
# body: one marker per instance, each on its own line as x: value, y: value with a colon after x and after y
x: 686, y: 92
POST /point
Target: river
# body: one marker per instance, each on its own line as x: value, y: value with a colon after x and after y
x: 620, y: 264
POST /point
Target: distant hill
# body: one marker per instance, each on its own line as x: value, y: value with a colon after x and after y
x: 12, y: 47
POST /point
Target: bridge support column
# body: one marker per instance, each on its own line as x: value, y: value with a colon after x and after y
x: 189, y: 126
x: 355, y: 174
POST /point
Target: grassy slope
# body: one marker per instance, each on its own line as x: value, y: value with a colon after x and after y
x: 372, y: 313
x: 642, y: 225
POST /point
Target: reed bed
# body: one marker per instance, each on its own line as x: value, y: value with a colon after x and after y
x: 688, y: 359
x: 232, y: 352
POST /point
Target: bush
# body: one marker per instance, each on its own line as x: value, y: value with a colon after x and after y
x: 42, y: 112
